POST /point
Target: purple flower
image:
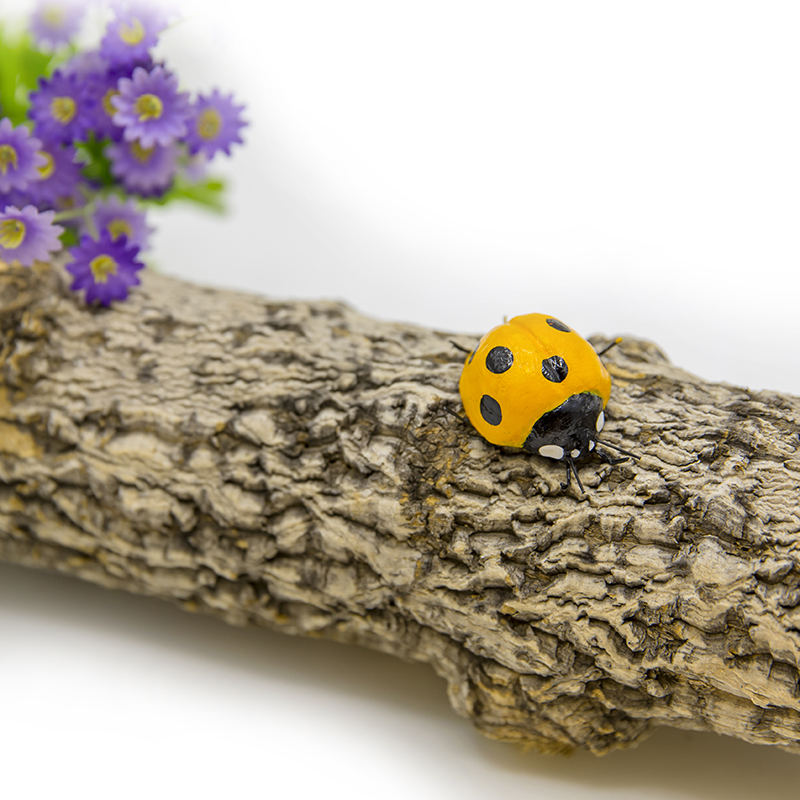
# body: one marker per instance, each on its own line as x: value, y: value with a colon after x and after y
x: 215, y: 124
x: 19, y: 157
x: 28, y: 235
x: 101, y: 87
x: 15, y: 197
x: 129, y: 36
x: 54, y: 23
x: 150, y: 107
x: 104, y: 268
x: 60, y: 109
x: 84, y: 64
x: 146, y: 170
x: 58, y: 177
x: 122, y: 219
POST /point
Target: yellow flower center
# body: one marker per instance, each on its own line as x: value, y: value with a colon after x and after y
x: 103, y: 266
x: 108, y: 106
x: 142, y: 154
x: 8, y: 158
x: 119, y: 227
x: 133, y: 33
x: 148, y: 106
x: 12, y: 233
x: 208, y: 123
x: 63, y: 109
x: 49, y: 167
x: 54, y: 16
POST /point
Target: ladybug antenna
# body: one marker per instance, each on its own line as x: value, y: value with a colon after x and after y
x: 609, y: 346
x: 459, y: 347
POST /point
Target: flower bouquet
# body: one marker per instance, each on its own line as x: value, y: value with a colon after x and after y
x: 90, y: 137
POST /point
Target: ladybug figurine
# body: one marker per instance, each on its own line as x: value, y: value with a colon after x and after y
x: 535, y: 383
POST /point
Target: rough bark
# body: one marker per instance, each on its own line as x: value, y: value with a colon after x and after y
x: 295, y: 465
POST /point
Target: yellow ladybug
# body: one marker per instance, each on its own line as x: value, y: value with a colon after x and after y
x: 535, y: 383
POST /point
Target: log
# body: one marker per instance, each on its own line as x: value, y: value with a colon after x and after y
x: 299, y: 466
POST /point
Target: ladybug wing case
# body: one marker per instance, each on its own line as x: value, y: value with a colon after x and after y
x: 526, y: 368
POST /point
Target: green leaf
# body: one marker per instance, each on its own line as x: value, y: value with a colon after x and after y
x: 97, y: 167
x: 70, y: 237
x: 21, y: 66
x: 207, y: 193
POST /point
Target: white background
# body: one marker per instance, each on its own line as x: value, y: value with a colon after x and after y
x: 626, y: 166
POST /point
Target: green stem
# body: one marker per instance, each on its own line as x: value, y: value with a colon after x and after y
x: 73, y: 213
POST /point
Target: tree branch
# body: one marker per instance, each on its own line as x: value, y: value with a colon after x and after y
x: 296, y: 465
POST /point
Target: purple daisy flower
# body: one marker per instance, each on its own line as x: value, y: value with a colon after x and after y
x: 28, y: 235
x: 122, y: 219
x: 101, y: 87
x: 129, y: 36
x: 58, y: 177
x: 145, y: 170
x: 105, y: 268
x: 84, y: 64
x: 15, y: 197
x: 150, y: 107
x: 60, y: 109
x: 19, y: 157
x: 53, y: 23
x: 215, y: 124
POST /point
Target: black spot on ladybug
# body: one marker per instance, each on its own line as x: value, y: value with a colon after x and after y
x: 499, y: 359
x: 490, y: 410
x: 558, y: 325
x: 555, y: 369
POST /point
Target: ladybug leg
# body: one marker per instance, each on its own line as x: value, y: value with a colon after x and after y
x: 568, y: 482
x: 452, y: 413
x: 570, y: 470
x: 620, y: 450
x: 608, y: 458
x: 571, y: 465
x: 460, y: 347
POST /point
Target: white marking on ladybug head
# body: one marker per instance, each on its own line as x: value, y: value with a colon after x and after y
x: 575, y: 453
x: 601, y: 420
x: 591, y: 444
x: 551, y: 451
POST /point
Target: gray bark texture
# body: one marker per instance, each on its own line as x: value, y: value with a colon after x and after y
x: 296, y: 465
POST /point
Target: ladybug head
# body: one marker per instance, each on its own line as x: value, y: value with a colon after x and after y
x: 569, y: 431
